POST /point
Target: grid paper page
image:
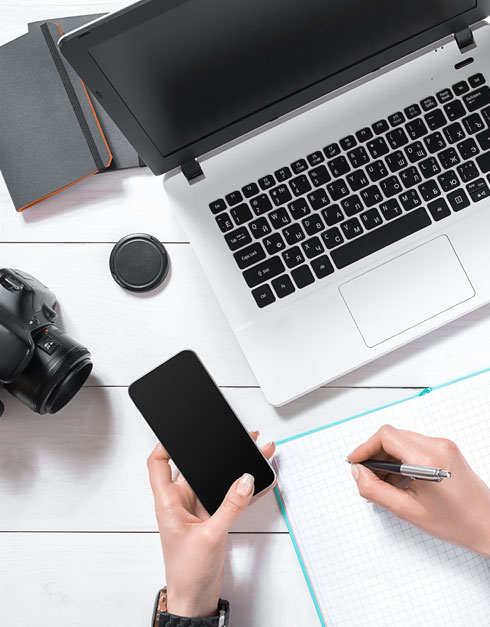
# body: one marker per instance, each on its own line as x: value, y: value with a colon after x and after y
x: 355, y: 552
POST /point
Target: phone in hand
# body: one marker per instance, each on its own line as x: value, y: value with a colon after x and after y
x: 202, y: 434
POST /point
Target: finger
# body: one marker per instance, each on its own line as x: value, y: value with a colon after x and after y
x: 159, y: 468
x: 268, y: 450
x: 394, y: 442
x: 234, y: 504
x: 399, y: 501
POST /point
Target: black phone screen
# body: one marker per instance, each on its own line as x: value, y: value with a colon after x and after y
x: 202, y: 434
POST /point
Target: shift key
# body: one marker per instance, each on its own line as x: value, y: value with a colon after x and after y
x: 264, y: 271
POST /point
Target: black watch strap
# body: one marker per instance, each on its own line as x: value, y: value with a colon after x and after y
x: 222, y: 619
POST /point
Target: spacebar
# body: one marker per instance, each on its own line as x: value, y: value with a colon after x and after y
x: 380, y: 238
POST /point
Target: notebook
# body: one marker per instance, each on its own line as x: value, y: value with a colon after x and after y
x: 363, y: 565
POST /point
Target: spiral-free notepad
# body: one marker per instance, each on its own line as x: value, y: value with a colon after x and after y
x: 363, y: 565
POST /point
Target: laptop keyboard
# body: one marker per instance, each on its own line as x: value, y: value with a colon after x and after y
x: 341, y: 204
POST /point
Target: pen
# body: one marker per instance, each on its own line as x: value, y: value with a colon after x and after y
x: 423, y: 473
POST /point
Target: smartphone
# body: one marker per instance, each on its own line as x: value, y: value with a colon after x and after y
x: 204, y: 437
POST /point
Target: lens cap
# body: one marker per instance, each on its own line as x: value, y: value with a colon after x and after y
x: 139, y: 262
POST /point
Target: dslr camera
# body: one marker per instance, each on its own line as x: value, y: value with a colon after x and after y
x: 39, y: 364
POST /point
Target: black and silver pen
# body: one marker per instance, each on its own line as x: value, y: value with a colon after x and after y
x: 423, y: 473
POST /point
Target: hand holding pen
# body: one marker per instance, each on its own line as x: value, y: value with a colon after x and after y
x: 457, y: 510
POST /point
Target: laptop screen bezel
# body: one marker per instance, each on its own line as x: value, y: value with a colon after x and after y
x: 76, y: 46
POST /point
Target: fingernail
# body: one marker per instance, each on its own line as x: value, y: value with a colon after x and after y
x: 245, y: 485
x: 355, y: 471
x: 269, y: 444
x: 256, y: 432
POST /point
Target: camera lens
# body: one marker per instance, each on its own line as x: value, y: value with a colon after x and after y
x: 58, y: 369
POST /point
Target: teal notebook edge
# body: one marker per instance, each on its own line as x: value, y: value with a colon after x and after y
x: 297, y: 550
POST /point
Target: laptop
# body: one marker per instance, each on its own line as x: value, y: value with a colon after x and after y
x: 330, y: 163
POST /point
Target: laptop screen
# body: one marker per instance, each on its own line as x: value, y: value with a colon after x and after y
x: 203, y: 65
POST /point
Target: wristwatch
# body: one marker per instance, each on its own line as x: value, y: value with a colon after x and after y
x: 162, y: 619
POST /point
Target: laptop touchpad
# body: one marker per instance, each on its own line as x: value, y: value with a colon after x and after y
x: 407, y: 290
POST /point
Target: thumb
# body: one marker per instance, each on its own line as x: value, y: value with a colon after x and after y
x: 234, y: 504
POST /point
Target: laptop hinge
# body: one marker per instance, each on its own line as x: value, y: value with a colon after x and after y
x: 191, y: 170
x: 464, y: 39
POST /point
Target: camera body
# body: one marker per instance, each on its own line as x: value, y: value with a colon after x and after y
x: 39, y: 364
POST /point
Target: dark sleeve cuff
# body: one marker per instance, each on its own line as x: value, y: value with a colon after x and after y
x: 170, y: 620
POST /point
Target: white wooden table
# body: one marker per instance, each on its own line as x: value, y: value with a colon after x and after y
x: 78, y: 540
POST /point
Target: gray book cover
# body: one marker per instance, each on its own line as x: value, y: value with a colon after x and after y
x: 50, y: 137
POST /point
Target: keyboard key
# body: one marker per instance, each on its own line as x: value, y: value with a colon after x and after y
x: 318, y: 199
x: 439, y: 209
x: 449, y: 180
x: 381, y: 127
x: 274, y: 243
x: 364, y: 135
x: 461, y: 88
x: 478, y: 190
x: 261, y: 204
x: 264, y: 271
x: 237, y: 239
x: 435, y: 142
x: 454, y: 110
x: 299, y: 209
x: 371, y: 219
x: 234, y: 198
x: 429, y: 190
x: 371, y: 196
x: 378, y: 147
x: 322, y: 267
x: 486, y: 115
x: 315, y: 159
x: 352, y: 228
x: 332, y: 238
x: 410, y: 200
x: 332, y: 215
x: 313, y: 224
x: 250, y: 255
x: 468, y: 171
x: 449, y: 158
x: 299, y: 166
x: 474, y: 124
x: 293, y: 234
x: 435, y: 119
x: 397, y: 138
x: 477, y: 99
x: 358, y: 157
x: 217, y: 206
x: 429, y: 168
x: 283, y: 174
x: 352, y: 205
x: 391, y: 209
x: 319, y: 176
x: 396, y: 161
x: 348, y: 143
x: 468, y: 149
x: 283, y: 286
x: 444, y: 96
x: 279, y: 218
x: 413, y: 111
x: 391, y: 186
x: 263, y: 296
x: 302, y: 276
x: 415, y: 152
x: 396, y: 119
x: 300, y: 185
x: 293, y: 257
x: 484, y: 139
x: 377, y: 171
x: 331, y: 151
x: 417, y: 129
x: 429, y: 103
x: 380, y: 238
x: 224, y: 222
x: 338, y: 189
x: 476, y: 81
x: 280, y: 195
x: 339, y: 166
x: 410, y: 177
x: 241, y: 214
x: 312, y: 247
x: 458, y: 200
x: 260, y: 228
x: 357, y: 180
x: 484, y: 162
x: 454, y: 133
x: 252, y: 189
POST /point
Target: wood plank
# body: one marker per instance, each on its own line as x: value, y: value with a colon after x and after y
x: 129, y: 334
x: 85, y: 468
x: 112, y: 579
